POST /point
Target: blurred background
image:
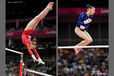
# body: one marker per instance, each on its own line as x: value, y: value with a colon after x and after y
x: 89, y: 62
x: 69, y: 12
x: 18, y: 14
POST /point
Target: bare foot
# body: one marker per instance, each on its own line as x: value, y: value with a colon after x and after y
x: 50, y: 5
x: 76, y: 51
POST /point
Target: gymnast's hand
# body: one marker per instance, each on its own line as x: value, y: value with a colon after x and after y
x: 89, y: 20
x: 82, y: 27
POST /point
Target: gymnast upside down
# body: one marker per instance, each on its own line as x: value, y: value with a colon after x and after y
x: 31, y: 42
x: 83, y: 23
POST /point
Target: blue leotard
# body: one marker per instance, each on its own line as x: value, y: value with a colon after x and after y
x: 83, y: 16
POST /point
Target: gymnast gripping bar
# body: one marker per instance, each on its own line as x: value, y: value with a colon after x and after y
x: 92, y: 46
x: 14, y: 51
x: 32, y: 71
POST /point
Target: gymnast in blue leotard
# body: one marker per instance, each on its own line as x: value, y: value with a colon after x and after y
x: 83, y: 23
x: 83, y: 16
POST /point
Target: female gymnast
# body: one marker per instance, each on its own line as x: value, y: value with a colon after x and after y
x: 83, y: 23
x: 31, y: 42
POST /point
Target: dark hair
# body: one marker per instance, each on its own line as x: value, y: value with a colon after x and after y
x: 33, y: 38
x: 89, y: 6
x: 33, y: 41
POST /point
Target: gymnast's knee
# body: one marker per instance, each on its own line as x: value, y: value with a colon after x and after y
x: 89, y: 40
x: 38, y: 18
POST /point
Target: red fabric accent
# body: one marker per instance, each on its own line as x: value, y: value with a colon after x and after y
x: 26, y: 40
x: 36, y: 53
x: 25, y: 37
x: 33, y: 40
x: 29, y: 50
x: 28, y: 32
x: 20, y: 70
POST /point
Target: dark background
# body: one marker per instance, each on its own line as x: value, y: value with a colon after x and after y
x: 82, y: 3
x: 26, y: 8
x: 98, y: 29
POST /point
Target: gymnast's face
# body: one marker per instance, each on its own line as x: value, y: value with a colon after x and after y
x: 33, y: 45
x: 92, y: 11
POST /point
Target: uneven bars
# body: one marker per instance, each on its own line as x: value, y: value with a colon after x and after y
x: 21, y: 61
x: 14, y: 51
x: 32, y: 71
x: 92, y: 46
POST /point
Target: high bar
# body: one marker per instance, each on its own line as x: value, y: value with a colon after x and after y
x: 14, y: 51
x: 92, y: 46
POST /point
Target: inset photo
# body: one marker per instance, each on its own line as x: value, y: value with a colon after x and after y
x: 83, y: 46
x: 30, y: 38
